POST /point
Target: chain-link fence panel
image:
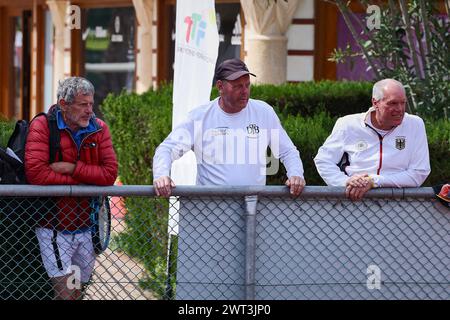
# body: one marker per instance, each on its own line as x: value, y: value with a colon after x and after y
x: 22, y: 275
x: 55, y: 239
x: 221, y: 243
x: 314, y: 248
x: 335, y: 249
x: 211, y: 249
x: 132, y: 267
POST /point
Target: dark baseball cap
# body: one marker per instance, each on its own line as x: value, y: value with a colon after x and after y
x: 231, y: 69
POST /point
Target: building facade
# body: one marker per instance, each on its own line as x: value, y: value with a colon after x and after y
x: 128, y: 45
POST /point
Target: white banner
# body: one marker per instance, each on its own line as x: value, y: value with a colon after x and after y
x: 196, y: 49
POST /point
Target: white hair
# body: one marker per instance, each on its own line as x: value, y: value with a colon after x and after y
x: 380, y: 86
x: 72, y: 86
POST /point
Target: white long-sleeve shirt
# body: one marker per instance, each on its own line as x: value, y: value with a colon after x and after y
x: 230, y: 148
x: 400, y: 158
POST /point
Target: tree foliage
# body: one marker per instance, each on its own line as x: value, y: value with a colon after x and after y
x: 410, y: 43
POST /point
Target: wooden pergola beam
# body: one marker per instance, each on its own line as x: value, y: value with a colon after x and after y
x: 62, y: 41
x: 144, y: 54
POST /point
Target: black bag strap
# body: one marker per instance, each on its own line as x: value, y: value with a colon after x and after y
x: 54, y: 138
x: 344, y: 162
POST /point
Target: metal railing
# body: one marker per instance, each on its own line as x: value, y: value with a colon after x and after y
x: 243, y: 242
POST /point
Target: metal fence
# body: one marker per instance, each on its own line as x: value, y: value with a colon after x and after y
x: 241, y: 243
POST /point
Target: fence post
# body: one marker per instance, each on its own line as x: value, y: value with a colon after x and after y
x: 250, y: 244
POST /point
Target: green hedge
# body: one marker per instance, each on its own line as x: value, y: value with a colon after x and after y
x: 309, y: 98
x: 6, y: 129
x: 138, y: 124
x: 307, y: 133
x: 438, y: 135
x: 308, y: 112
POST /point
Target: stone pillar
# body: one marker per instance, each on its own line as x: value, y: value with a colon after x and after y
x: 266, y: 43
x: 144, y: 56
x: 267, y: 58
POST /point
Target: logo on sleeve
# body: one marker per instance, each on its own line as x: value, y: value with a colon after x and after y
x: 361, y: 145
x: 400, y: 142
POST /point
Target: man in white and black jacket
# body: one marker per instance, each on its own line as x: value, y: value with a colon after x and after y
x: 384, y: 147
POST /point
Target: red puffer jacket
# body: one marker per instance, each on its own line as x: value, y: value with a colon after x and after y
x: 96, y: 164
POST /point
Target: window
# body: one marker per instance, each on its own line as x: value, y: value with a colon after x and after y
x: 108, y: 42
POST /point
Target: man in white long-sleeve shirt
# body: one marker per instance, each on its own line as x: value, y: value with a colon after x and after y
x: 384, y: 147
x: 229, y: 137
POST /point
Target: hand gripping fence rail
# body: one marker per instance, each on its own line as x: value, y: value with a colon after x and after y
x: 226, y: 242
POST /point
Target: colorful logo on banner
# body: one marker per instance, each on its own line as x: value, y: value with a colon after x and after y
x: 196, y: 27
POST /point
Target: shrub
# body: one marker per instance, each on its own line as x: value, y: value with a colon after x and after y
x: 438, y: 134
x: 6, y: 129
x: 138, y: 124
x: 309, y: 98
x: 308, y: 134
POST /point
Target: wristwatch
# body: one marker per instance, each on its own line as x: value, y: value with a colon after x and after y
x: 375, y: 181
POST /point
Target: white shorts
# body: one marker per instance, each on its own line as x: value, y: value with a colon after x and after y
x: 62, y: 254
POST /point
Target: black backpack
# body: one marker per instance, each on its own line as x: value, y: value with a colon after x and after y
x: 12, y: 169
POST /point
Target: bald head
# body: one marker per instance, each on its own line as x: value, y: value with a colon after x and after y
x: 386, y: 85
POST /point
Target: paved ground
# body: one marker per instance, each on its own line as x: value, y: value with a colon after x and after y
x: 116, y: 275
